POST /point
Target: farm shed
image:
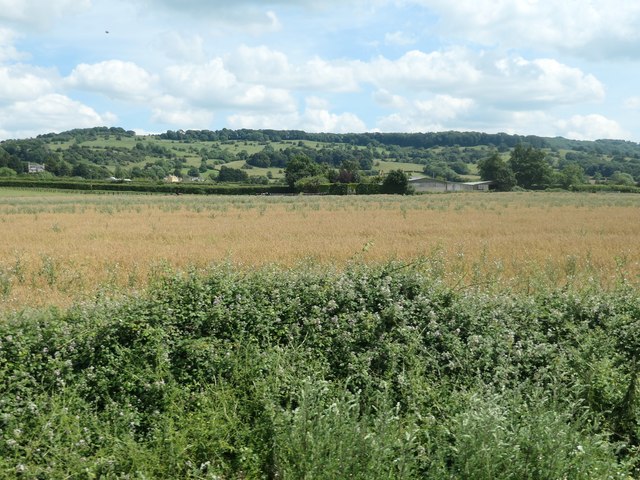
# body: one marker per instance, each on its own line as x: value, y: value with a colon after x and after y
x: 426, y: 184
x: 483, y: 186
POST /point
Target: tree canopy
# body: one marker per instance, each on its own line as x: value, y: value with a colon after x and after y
x: 496, y: 169
x: 300, y: 167
x: 530, y: 167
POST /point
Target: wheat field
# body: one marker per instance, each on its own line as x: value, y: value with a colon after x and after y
x: 56, y: 249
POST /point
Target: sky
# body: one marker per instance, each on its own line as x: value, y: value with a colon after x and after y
x: 566, y: 68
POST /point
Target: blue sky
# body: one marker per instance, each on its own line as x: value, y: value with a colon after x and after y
x: 567, y: 68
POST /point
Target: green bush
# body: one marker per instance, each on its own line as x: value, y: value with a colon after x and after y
x: 372, y: 372
x: 151, y: 187
x: 605, y: 188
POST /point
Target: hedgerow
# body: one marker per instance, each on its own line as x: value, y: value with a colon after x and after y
x: 370, y: 372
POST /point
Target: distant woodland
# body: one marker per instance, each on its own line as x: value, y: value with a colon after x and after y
x: 272, y: 156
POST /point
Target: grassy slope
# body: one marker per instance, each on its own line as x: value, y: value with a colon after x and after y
x: 185, y: 150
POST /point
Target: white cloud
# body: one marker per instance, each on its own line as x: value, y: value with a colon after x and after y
x: 540, y: 81
x: 591, y: 127
x: 114, y: 78
x: 259, y: 64
x: 211, y: 85
x: 423, y: 71
x: 270, y: 67
x: 213, y: 7
x: 49, y: 113
x: 485, y: 77
x: 38, y: 13
x: 170, y: 110
x: 181, y: 47
x: 387, y: 99
x: 427, y: 115
x: 21, y: 82
x: 208, y: 82
x: 542, y: 123
x: 595, y: 29
x: 250, y: 16
x: 315, y: 118
x: 7, y: 49
x: 511, y: 82
x: 444, y: 107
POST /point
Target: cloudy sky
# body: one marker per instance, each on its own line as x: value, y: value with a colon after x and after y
x: 543, y: 67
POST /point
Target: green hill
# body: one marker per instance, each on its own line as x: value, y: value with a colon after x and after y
x: 101, y: 152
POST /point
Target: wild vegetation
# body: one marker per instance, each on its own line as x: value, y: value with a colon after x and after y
x: 436, y: 336
x: 369, y: 372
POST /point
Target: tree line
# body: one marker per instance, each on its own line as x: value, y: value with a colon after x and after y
x: 529, y: 161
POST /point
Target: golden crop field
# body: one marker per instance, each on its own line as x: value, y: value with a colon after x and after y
x: 59, y: 248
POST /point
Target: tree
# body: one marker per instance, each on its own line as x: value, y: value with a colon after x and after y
x: 441, y: 170
x: 396, y: 181
x: 496, y: 169
x: 530, y: 167
x: 299, y: 167
x: 348, y: 172
x: 571, y: 174
x: 310, y: 184
x: 228, y: 174
x: 620, y: 178
x: 7, y: 172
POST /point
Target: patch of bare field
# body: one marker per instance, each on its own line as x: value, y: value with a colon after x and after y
x: 56, y: 249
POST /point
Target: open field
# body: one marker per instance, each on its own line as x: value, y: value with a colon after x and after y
x: 458, y: 336
x: 57, y: 248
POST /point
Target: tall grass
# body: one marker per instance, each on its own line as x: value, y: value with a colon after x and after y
x: 71, y: 246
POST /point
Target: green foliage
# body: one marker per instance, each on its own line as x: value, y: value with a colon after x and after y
x: 310, y: 184
x: 496, y: 169
x: 150, y: 187
x: 605, y: 188
x: 530, y: 167
x: 571, y: 174
x: 373, y: 372
x: 442, y: 171
x: 620, y: 178
x: 228, y: 174
x: 368, y: 188
x: 91, y: 152
x: 7, y: 172
x: 300, y: 167
x: 396, y: 181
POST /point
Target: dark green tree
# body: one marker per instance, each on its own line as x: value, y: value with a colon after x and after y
x: 396, y: 181
x: 299, y: 167
x: 228, y: 174
x: 495, y: 168
x: 530, y: 167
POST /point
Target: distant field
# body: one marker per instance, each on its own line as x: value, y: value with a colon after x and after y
x: 56, y: 248
x: 410, y: 168
x: 276, y: 172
